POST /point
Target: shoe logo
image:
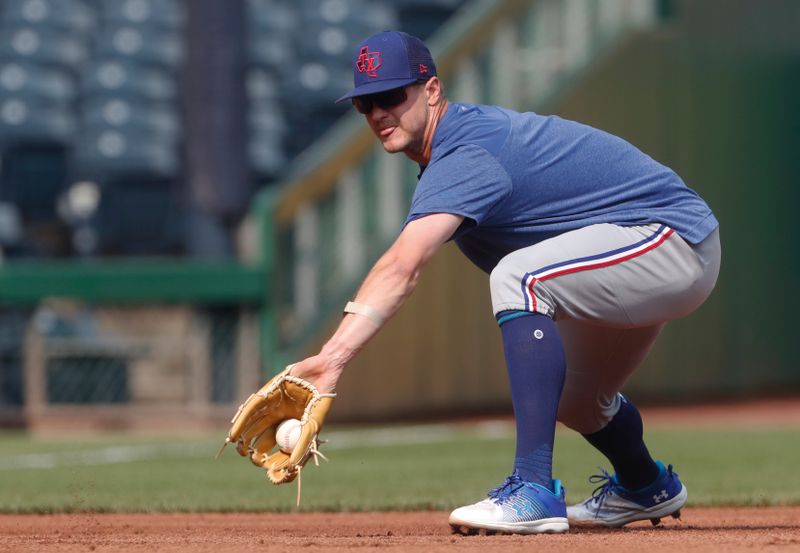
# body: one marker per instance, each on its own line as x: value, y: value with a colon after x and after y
x: 538, y: 334
x: 523, y: 510
x: 661, y: 496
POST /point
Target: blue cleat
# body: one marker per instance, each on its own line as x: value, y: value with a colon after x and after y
x: 515, y: 507
x: 614, y: 506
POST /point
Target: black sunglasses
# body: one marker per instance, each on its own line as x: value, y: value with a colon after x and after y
x: 384, y: 100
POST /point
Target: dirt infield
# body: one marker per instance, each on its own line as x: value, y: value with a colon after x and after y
x: 773, y: 529
x: 707, y: 530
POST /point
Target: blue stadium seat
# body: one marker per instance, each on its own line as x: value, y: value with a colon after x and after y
x: 273, y: 52
x: 25, y: 120
x: 168, y: 14
x: 103, y: 153
x: 331, y: 45
x: 161, y: 122
x: 267, y: 156
x: 271, y: 16
x: 66, y: 15
x: 42, y: 45
x: 422, y: 17
x: 375, y: 16
x: 123, y: 78
x: 142, y: 45
x: 262, y: 86
x: 306, y: 46
x: 315, y: 85
x: 266, y: 149
x: 37, y: 83
x: 129, y: 94
x: 333, y: 28
x: 267, y: 118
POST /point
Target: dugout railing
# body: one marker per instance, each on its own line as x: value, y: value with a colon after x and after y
x: 129, y: 344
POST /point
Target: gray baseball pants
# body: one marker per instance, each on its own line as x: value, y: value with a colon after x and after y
x: 610, y: 289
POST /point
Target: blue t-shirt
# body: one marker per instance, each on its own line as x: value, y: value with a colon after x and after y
x: 519, y: 178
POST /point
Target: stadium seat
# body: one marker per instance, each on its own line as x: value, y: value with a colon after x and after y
x: 422, y: 17
x: 267, y: 117
x: 142, y: 45
x: 126, y: 79
x: 65, y: 15
x: 316, y: 86
x: 101, y: 154
x: 37, y: 83
x: 374, y: 16
x: 168, y: 14
x: 266, y: 142
x: 26, y: 120
x: 262, y: 86
x: 267, y: 157
x: 330, y: 44
x: 160, y: 121
x: 42, y: 45
x: 270, y: 16
x: 272, y: 51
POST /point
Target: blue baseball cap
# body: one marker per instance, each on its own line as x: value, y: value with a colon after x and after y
x: 388, y: 60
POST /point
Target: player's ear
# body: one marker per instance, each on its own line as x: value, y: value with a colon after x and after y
x: 434, y: 90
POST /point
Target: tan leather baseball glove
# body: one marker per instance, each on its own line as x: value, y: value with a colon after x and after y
x: 255, y: 423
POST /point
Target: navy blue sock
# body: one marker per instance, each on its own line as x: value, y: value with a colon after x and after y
x: 536, y: 367
x: 622, y: 442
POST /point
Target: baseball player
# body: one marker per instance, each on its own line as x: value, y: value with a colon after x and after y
x: 591, y: 247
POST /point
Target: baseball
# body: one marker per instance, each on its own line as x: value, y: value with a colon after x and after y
x: 287, y: 434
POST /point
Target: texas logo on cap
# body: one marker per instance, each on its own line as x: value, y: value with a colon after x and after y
x: 368, y: 62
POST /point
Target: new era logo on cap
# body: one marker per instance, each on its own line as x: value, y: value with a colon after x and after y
x: 388, y: 60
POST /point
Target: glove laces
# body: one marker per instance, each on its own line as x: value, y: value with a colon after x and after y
x: 315, y: 454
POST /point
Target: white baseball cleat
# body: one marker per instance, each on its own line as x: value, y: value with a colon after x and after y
x: 515, y: 507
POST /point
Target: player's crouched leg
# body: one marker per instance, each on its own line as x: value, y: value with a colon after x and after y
x: 612, y: 504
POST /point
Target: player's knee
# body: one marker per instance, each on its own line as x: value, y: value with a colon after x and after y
x: 585, y: 423
x: 585, y: 416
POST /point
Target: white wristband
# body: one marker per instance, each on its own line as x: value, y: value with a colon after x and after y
x: 365, y: 311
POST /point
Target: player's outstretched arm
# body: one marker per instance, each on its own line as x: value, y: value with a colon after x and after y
x: 389, y: 283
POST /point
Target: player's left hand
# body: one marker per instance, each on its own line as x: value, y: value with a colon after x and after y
x: 320, y: 371
x: 286, y: 396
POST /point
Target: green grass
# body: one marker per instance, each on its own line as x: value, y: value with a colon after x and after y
x: 719, y: 466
